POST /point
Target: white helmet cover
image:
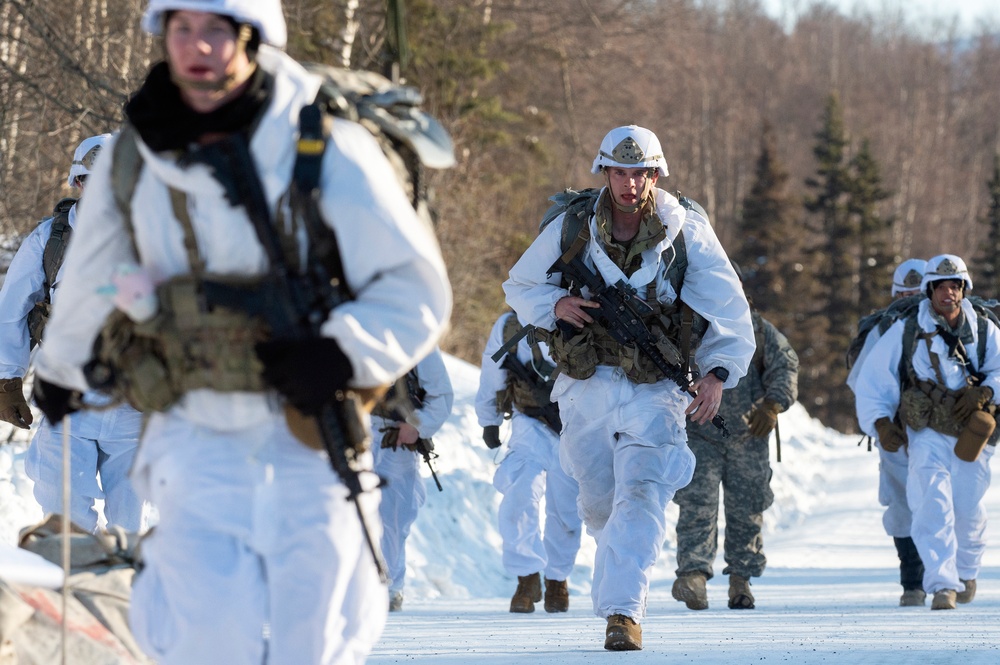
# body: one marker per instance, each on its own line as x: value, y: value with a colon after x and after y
x: 84, y: 156
x: 630, y: 147
x: 265, y: 15
x: 908, y: 275
x: 946, y: 266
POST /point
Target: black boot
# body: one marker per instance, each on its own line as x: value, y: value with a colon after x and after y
x: 911, y: 568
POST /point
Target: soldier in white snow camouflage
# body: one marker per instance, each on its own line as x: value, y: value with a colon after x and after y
x: 740, y: 464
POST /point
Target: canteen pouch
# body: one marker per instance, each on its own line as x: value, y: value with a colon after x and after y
x: 974, y: 436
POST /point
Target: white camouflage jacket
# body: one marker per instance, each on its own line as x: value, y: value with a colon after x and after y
x: 391, y: 260
x: 23, y: 286
x: 711, y: 287
x: 878, y: 384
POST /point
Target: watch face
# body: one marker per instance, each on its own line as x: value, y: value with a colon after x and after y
x: 720, y: 373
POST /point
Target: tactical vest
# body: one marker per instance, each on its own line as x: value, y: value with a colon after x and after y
x: 677, y: 327
x: 52, y: 259
x: 927, y: 403
x: 519, y: 393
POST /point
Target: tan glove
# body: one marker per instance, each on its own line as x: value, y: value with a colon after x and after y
x: 763, y: 418
x: 13, y: 408
x: 973, y: 399
x: 890, y: 435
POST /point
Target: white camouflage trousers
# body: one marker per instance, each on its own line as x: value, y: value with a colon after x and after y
x: 102, y: 443
x: 949, y: 520
x: 530, y: 471
x: 402, y: 496
x: 893, y: 469
x: 257, y: 558
x: 626, y: 446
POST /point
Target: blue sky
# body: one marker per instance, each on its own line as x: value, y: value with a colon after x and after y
x: 918, y: 13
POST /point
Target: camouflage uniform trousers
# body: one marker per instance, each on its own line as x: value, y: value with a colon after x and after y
x: 741, y: 468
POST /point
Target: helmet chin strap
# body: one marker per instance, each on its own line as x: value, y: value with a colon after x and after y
x: 643, y: 197
x: 231, y: 80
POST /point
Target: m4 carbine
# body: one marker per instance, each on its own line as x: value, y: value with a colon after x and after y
x: 621, y: 311
x: 296, y: 302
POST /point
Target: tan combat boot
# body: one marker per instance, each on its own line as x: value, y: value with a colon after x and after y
x: 396, y: 601
x: 969, y: 593
x: 556, y: 596
x: 623, y: 634
x: 944, y: 600
x: 740, y: 597
x: 529, y: 592
x: 912, y: 598
x: 689, y: 588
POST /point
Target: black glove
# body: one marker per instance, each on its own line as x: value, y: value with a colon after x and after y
x: 308, y: 372
x: 891, y: 436
x: 491, y: 436
x: 54, y: 401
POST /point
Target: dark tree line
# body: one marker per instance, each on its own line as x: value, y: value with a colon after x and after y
x: 824, y: 153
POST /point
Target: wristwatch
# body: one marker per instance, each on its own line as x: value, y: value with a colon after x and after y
x: 721, y: 373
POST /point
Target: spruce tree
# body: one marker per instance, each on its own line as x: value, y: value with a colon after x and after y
x: 876, y: 261
x: 987, y: 264
x: 771, y: 239
x: 835, y: 265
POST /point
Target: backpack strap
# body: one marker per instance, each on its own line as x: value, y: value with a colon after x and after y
x: 304, y: 194
x: 982, y: 329
x: 126, y: 168
x: 907, y: 375
x: 55, y: 246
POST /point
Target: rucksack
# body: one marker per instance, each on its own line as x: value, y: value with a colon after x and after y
x: 578, y: 206
x: 52, y: 259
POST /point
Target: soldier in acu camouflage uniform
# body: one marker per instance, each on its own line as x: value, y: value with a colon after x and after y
x: 740, y: 463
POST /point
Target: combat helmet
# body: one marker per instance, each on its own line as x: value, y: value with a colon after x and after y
x: 264, y: 15
x: 945, y: 266
x: 84, y: 157
x: 630, y: 147
x: 908, y: 276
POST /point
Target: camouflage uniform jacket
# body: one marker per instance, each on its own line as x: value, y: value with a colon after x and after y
x: 773, y: 374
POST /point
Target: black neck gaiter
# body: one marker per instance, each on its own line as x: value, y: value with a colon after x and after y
x: 165, y: 122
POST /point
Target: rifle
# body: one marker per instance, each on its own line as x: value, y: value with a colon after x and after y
x: 295, y: 304
x: 549, y: 413
x: 621, y: 312
x: 426, y: 449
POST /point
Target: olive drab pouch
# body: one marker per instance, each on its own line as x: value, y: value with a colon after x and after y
x: 974, y: 436
x: 38, y: 316
x: 915, y: 408
x: 640, y: 369
x: 576, y: 356
x: 185, y: 346
x: 131, y: 366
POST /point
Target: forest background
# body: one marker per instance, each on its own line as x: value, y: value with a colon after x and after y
x: 825, y: 148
